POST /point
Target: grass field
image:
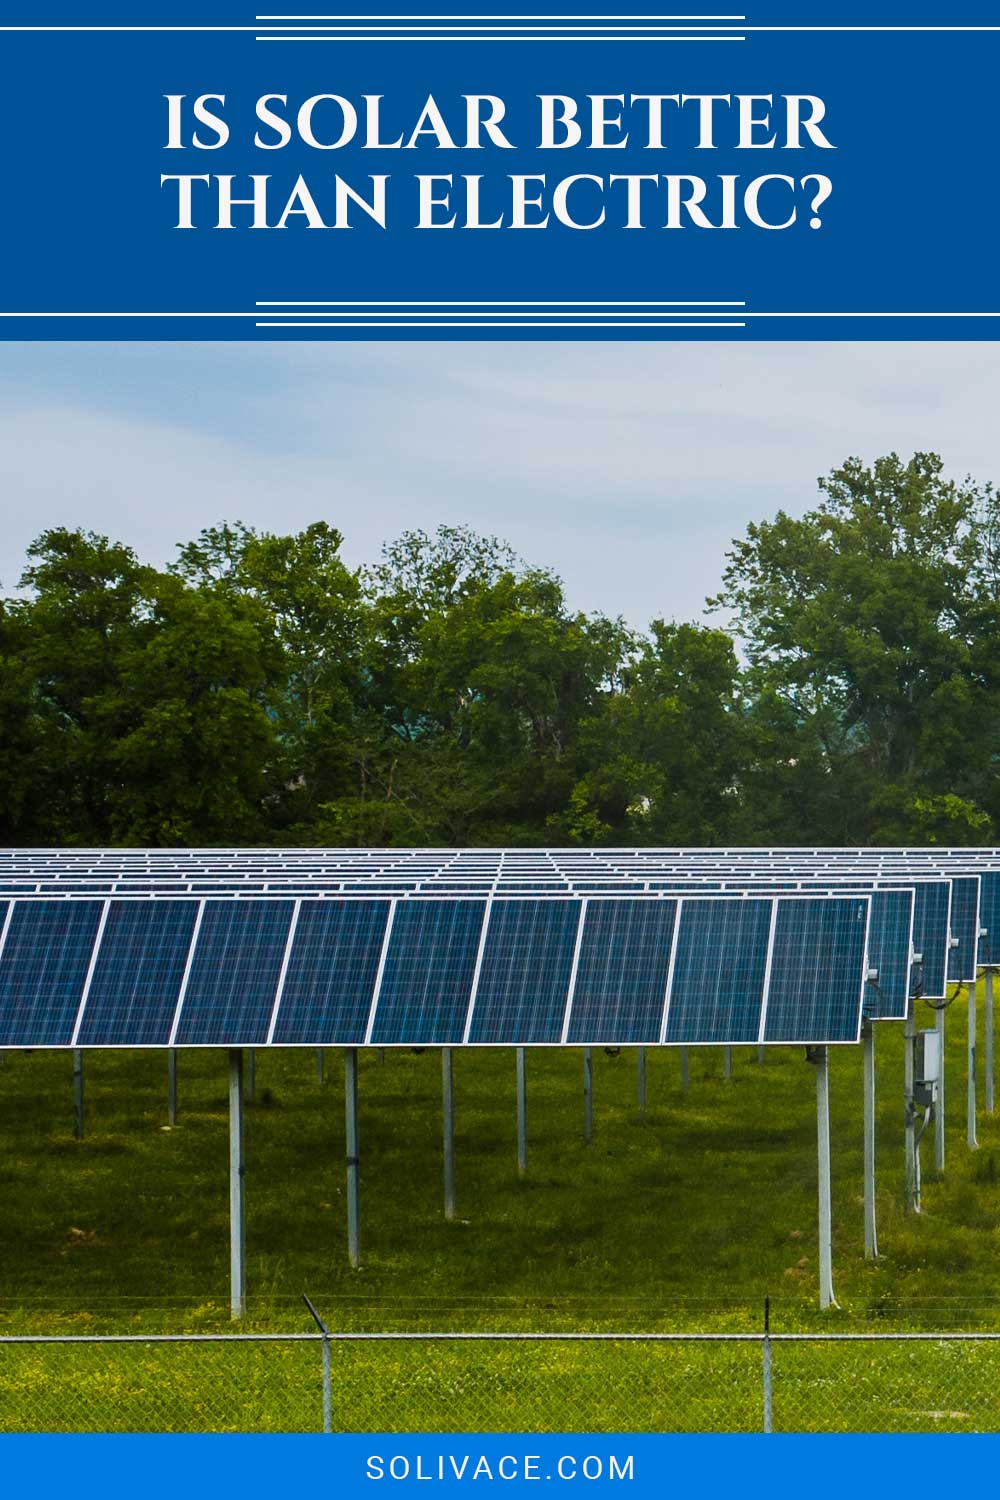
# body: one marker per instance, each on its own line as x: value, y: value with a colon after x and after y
x: 679, y: 1219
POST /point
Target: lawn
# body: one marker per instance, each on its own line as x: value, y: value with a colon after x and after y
x: 679, y: 1219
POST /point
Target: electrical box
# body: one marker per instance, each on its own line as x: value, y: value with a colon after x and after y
x: 926, y: 1066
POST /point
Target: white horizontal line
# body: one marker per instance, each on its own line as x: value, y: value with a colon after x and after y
x: 646, y: 37
x: 756, y: 29
x: 516, y: 306
x: 589, y: 24
x: 743, y: 314
x: 418, y: 318
x: 505, y: 16
x: 635, y: 323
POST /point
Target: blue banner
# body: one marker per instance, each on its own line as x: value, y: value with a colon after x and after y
x: 639, y: 1467
x: 766, y: 172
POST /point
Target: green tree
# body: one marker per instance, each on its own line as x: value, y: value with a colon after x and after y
x: 862, y: 618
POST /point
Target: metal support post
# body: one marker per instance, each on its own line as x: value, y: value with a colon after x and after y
x: 522, y: 1113
x: 353, y: 1161
x: 251, y: 1076
x: 327, y: 1380
x: 237, y: 1201
x: 588, y: 1094
x: 685, y: 1070
x: 727, y: 1062
x: 939, y: 1110
x: 970, y: 1069
x: 641, y: 1080
x: 78, y: 1093
x: 448, y: 1111
x: 767, y: 1372
x: 868, y: 1048
x: 988, y: 1023
x: 172, y: 1086
x: 761, y: 1054
x: 826, y: 1296
x: 320, y: 1065
x: 912, y: 1199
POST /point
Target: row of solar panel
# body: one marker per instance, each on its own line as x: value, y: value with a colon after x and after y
x: 213, y: 973
x: 931, y: 905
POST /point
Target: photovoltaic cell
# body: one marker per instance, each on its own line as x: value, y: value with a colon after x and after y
x: 234, y: 973
x: 429, y: 968
x: 889, y: 952
x: 524, y: 979
x: 814, y: 994
x: 331, y: 973
x: 718, y: 979
x: 43, y: 969
x: 138, y: 973
x: 621, y: 977
x: 989, y: 917
x: 964, y: 926
x: 931, y: 899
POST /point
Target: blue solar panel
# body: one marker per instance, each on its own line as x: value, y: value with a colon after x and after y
x: 43, y: 968
x: 621, y: 977
x: 331, y: 973
x: 234, y: 974
x: 138, y: 973
x: 989, y: 917
x: 817, y: 968
x: 964, y: 926
x: 889, y: 952
x: 429, y: 969
x: 524, y: 980
x: 931, y: 902
x: 718, y: 978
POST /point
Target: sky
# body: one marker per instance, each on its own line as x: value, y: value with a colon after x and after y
x: 627, y: 468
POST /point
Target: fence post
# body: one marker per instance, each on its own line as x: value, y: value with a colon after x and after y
x: 78, y: 1093
x: 767, y: 1374
x: 327, y: 1381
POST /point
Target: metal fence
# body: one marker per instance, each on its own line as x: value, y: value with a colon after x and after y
x: 496, y: 1382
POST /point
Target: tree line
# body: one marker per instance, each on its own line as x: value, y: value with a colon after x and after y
x: 259, y: 690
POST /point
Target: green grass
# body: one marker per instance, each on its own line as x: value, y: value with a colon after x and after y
x: 679, y: 1219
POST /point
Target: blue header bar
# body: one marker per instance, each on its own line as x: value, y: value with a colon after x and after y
x: 259, y: 172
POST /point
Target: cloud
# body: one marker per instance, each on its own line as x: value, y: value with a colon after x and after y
x: 625, y: 467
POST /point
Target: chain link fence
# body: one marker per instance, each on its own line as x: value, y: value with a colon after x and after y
x: 399, y: 1382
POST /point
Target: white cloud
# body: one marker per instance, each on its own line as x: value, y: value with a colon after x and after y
x: 626, y: 467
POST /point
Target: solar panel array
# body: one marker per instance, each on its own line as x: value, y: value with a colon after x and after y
x: 481, y: 947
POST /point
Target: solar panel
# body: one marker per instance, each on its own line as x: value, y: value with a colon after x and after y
x: 964, y: 927
x: 330, y: 977
x: 430, y: 964
x: 137, y: 974
x: 719, y: 971
x: 817, y: 955
x: 621, y: 976
x: 890, y: 946
x: 43, y: 969
x: 525, y: 973
x: 233, y: 979
x: 989, y: 917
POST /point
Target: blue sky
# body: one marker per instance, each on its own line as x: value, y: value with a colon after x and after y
x: 627, y: 468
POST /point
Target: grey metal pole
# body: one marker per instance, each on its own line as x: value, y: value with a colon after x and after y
x: 761, y: 1054
x: 522, y: 1112
x: 727, y: 1062
x: 641, y: 1080
x: 988, y: 1022
x: 868, y: 1048
x: 353, y: 1161
x: 448, y: 1101
x: 970, y: 1071
x: 320, y: 1065
x: 912, y: 1199
x: 939, y: 1112
x: 685, y: 1070
x: 768, y: 1384
x: 588, y: 1094
x: 172, y: 1086
x: 251, y: 1076
x: 327, y: 1386
x: 237, y: 1200
x: 826, y: 1297
x: 78, y: 1093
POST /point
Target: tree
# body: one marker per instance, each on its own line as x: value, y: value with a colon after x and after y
x: 861, y: 617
